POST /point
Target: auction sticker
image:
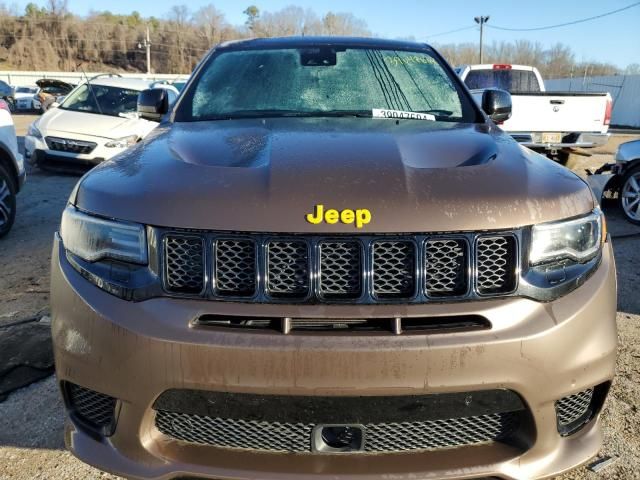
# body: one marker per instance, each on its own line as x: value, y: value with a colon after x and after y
x: 401, y: 114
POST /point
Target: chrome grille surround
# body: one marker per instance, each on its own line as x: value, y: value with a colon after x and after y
x: 322, y: 269
x: 296, y: 437
x: 70, y: 146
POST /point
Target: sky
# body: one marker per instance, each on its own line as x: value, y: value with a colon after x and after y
x: 614, y: 39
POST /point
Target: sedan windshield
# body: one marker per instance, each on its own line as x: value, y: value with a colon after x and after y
x: 101, y: 99
x: 324, y: 81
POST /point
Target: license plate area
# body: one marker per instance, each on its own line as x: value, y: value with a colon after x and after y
x: 551, y: 137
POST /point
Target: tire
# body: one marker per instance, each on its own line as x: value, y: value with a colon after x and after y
x: 7, y: 201
x: 629, y: 196
x: 562, y: 158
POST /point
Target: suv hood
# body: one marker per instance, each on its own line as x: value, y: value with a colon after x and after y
x: 59, y: 120
x: 52, y: 82
x: 266, y: 175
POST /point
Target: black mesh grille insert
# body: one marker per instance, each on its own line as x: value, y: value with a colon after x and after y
x: 287, y: 268
x: 394, y: 269
x: 445, y: 267
x: 296, y: 437
x: 341, y: 269
x: 571, y: 408
x: 184, y: 263
x: 97, y: 410
x: 496, y: 264
x: 263, y: 267
x: 235, y: 267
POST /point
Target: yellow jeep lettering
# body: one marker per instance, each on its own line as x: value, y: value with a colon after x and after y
x: 363, y: 216
x: 360, y: 217
x: 317, y: 218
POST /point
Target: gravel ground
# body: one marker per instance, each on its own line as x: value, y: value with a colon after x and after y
x: 31, y: 444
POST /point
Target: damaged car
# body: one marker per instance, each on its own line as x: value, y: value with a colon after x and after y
x: 327, y: 262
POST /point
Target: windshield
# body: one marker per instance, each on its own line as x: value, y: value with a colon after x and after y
x: 323, y: 81
x: 513, y: 81
x: 102, y: 99
x: 26, y: 90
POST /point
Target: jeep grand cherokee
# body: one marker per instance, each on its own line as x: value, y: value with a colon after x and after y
x: 328, y: 263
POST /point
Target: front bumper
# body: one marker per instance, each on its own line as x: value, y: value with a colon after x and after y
x: 38, y: 152
x: 136, y: 351
x: 584, y: 140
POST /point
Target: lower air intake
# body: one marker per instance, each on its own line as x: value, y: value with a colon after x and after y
x: 94, y: 410
x: 574, y: 411
x: 296, y: 437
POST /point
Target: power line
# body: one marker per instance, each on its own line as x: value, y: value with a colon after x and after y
x: 574, y: 22
x: 450, y: 31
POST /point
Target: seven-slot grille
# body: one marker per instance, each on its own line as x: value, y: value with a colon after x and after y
x: 363, y: 269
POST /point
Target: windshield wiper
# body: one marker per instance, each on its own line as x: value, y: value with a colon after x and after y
x: 438, y: 112
x: 286, y: 113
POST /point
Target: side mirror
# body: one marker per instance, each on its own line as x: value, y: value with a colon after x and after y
x: 153, y: 104
x: 497, y: 104
x: 54, y: 105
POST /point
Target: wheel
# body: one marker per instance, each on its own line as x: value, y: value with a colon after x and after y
x: 630, y: 195
x: 7, y: 201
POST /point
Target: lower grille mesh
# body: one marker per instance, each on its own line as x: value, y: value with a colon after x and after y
x: 93, y: 408
x: 296, y: 437
x: 571, y: 408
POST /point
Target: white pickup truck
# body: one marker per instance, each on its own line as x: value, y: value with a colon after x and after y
x: 551, y: 122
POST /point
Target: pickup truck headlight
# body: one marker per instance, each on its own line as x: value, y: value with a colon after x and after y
x: 34, y: 132
x: 577, y: 240
x: 123, y: 142
x: 93, y: 238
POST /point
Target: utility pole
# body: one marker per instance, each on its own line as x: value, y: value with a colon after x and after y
x: 147, y: 45
x: 481, y: 20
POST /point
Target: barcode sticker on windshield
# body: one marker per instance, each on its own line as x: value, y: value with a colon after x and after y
x: 382, y: 113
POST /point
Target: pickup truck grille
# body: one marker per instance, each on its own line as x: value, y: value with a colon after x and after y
x: 364, y: 269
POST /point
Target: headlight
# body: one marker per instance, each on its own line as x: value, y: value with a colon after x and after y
x: 123, y: 142
x: 93, y: 238
x: 579, y: 240
x: 34, y: 132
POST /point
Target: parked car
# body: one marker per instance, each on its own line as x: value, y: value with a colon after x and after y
x: 12, y: 172
x: 327, y: 262
x: 6, y: 94
x: 24, y: 97
x: 51, y: 91
x: 96, y: 121
x: 550, y: 122
x: 621, y: 179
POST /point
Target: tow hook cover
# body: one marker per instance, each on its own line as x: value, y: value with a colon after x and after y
x: 338, y: 439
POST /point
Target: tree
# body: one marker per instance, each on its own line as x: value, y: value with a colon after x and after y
x: 211, y: 23
x: 344, y: 24
x: 253, y: 13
